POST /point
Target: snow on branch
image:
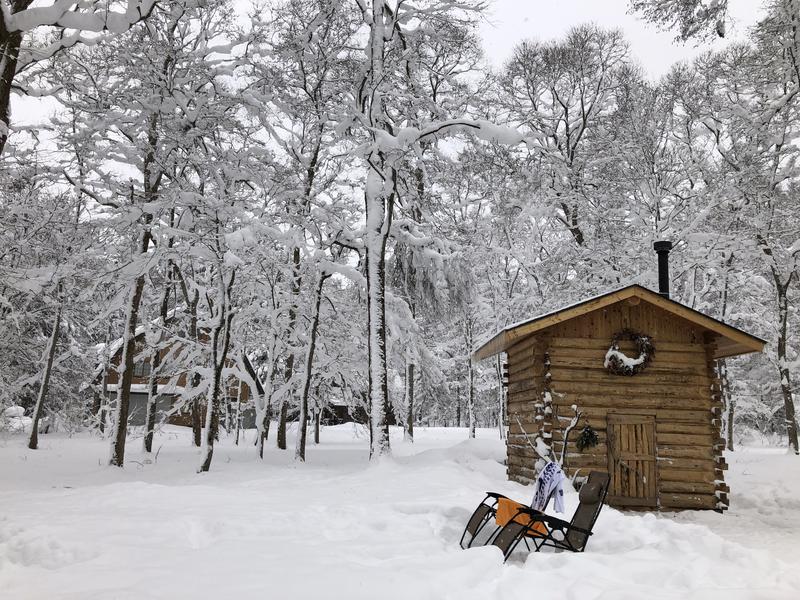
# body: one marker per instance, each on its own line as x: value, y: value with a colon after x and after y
x: 407, y: 137
x: 69, y: 14
x: 480, y: 128
x: 573, y: 422
x: 541, y: 449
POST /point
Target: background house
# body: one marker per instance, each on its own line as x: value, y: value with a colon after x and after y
x: 172, y: 380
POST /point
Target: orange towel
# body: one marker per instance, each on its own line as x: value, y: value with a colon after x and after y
x: 506, y: 509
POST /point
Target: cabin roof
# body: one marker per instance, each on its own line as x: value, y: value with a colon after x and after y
x: 730, y: 340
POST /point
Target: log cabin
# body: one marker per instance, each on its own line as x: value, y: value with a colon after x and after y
x: 641, y: 369
x: 171, y: 382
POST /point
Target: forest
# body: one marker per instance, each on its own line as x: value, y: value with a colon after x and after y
x: 335, y: 203
x: 287, y: 285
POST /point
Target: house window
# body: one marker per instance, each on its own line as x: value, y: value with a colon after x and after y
x: 141, y: 369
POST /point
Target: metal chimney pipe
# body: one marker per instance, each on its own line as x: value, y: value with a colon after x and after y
x: 662, y: 248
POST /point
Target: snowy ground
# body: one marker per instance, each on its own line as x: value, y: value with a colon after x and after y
x: 337, y: 527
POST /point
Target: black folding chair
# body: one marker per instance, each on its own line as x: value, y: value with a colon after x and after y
x: 562, y: 535
x: 485, y: 513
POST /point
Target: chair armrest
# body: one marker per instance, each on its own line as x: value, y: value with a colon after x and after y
x: 552, y: 522
x: 531, y: 512
x: 495, y: 495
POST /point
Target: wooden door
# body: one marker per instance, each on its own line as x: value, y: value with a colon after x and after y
x: 632, y: 460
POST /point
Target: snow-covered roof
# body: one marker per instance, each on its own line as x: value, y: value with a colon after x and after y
x: 104, y: 351
x: 735, y: 340
x: 115, y: 345
x: 142, y: 388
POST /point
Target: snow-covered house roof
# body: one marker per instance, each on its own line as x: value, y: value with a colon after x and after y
x: 730, y: 340
x: 114, y: 348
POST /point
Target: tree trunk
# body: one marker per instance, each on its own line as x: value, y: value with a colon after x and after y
x: 193, y: 381
x: 212, y: 415
x: 220, y: 342
x: 155, y: 363
x: 458, y: 406
x: 33, y: 442
x: 783, y: 369
x: 501, y: 398
x: 731, y: 410
x: 300, y: 447
x: 197, y: 417
x: 317, y: 418
x: 238, y: 415
x: 9, y: 54
x: 126, y: 375
x: 409, y: 401
x: 197, y: 420
x: 722, y: 365
x: 228, y: 415
x: 267, y: 407
x: 379, y: 196
x: 376, y: 335
x: 470, y: 377
x: 97, y: 402
x: 151, y: 182
x: 781, y: 290
x: 102, y: 414
x: 471, y: 398
x: 290, y: 360
x: 727, y: 400
x: 282, y: 418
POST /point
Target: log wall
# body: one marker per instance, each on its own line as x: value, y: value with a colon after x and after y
x: 679, y: 388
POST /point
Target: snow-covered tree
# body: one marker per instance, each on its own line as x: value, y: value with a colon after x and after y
x: 64, y: 24
x: 691, y: 18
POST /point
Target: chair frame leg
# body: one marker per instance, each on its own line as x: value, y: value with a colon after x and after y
x: 520, y: 537
x: 486, y: 519
x: 490, y: 515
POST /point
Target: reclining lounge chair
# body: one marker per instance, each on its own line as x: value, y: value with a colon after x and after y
x: 499, y: 509
x: 559, y: 534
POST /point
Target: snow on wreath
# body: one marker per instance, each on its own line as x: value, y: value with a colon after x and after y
x: 619, y: 364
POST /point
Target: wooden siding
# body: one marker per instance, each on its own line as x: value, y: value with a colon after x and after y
x: 679, y: 390
x: 526, y: 370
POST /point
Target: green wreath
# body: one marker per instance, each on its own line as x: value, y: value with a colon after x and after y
x: 617, y: 363
x: 587, y: 438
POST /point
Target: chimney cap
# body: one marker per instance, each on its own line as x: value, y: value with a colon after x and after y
x: 662, y: 246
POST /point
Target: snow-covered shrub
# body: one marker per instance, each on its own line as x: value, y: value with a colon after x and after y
x: 13, y: 420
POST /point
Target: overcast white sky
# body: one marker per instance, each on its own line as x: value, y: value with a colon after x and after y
x: 511, y: 21
x: 508, y: 22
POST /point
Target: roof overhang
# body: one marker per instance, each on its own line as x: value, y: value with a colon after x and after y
x: 730, y: 340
